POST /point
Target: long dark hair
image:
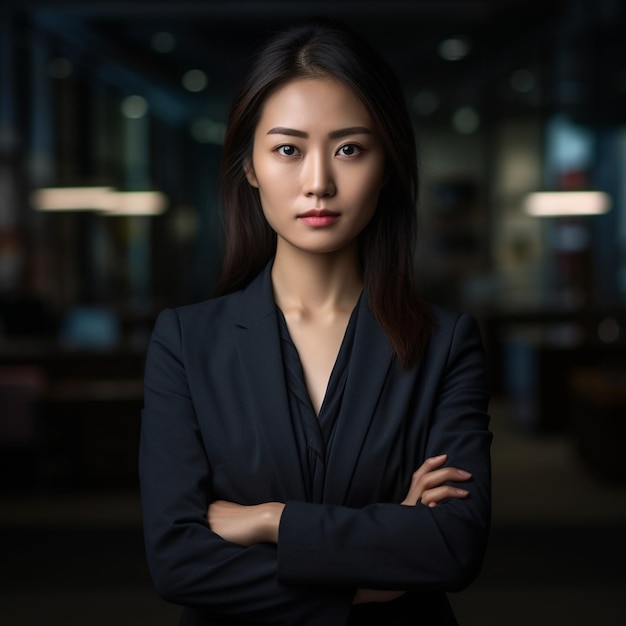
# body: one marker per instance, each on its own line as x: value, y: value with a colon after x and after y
x: 322, y: 48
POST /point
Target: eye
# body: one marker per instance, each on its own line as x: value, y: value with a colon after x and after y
x: 288, y: 150
x: 350, y: 150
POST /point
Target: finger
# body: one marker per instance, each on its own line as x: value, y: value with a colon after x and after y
x: 429, y: 464
x: 421, y: 482
x: 436, y: 491
x: 427, y: 476
x: 440, y: 476
x: 432, y: 497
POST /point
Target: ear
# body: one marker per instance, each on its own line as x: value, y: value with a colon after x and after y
x: 250, y: 175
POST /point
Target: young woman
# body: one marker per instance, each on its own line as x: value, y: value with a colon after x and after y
x: 314, y: 441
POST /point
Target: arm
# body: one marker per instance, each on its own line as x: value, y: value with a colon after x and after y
x: 190, y: 564
x: 421, y: 548
x: 389, y: 546
x: 247, y: 525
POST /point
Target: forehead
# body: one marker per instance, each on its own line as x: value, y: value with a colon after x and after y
x: 318, y: 102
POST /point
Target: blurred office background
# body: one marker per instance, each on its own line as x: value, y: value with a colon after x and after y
x: 111, y: 121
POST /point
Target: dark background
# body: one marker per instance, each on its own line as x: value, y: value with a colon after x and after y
x: 507, y: 97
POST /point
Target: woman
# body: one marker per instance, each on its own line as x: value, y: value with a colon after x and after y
x: 314, y: 440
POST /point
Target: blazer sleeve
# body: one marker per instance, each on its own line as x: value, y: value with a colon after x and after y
x: 189, y: 564
x: 392, y: 546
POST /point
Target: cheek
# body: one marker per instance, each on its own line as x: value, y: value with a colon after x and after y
x: 272, y: 181
x: 375, y: 174
x: 273, y: 196
x: 369, y: 187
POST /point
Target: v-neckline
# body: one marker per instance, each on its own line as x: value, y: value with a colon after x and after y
x: 348, y: 334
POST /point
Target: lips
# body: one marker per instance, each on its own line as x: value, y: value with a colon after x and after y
x: 319, y: 218
x: 319, y: 213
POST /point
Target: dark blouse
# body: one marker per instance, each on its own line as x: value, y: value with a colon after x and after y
x: 314, y: 433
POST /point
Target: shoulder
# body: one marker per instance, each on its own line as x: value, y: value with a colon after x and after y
x: 193, y: 333
x: 454, y: 333
x: 448, y: 323
x: 212, y: 309
x: 200, y: 317
x: 214, y: 322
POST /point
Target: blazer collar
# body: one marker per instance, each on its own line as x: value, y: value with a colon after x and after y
x: 370, y: 361
x: 256, y: 300
x: 258, y: 345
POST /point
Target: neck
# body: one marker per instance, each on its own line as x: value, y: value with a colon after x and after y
x: 310, y: 282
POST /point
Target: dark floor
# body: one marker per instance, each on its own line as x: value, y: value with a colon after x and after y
x: 531, y: 576
x: 557, y: 553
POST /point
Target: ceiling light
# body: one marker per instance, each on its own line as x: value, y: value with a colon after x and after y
x: 106, y: 200
x: 71, y: 198
x: 195, y: 80
x: 566, y: 203
x: 454, y: 48
x: 137, y: 203
x: 163, y: 42
x: 134, y: 107
x: 465, y: 120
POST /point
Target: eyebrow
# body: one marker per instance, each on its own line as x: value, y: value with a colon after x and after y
x: 335, y: 134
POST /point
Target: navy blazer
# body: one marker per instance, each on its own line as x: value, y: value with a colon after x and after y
x: 216, y: 425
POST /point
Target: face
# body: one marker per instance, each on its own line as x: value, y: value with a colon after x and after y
x: 318, y: 165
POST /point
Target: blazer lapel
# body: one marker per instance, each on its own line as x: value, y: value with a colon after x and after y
x: 369, y: 363
x: 259, y: 349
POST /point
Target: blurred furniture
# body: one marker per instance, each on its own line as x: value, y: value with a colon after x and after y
x: 21, y: 391
x: 532, y: 357
x: 598, y: 411
x: 82, y: 409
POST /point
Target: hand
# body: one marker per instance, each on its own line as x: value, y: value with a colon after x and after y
x: 375, y: 595
x: 245, y: 525
x: 428, y: 482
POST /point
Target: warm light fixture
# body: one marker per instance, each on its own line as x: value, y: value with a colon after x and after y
x: 566, y: 203
x: 137, y: 203
x: 71, y: 198
x: 106, y: 200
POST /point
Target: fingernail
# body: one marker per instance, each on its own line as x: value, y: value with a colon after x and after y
x: 464, y: 473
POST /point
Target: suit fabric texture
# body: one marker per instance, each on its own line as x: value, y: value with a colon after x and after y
x: 216, y: 425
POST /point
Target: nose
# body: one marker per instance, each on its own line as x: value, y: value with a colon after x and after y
x: 318, y: 178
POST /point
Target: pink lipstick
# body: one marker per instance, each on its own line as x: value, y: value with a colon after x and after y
x: 319, y: 217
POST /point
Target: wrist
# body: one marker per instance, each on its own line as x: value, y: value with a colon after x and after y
x: 271, y: 515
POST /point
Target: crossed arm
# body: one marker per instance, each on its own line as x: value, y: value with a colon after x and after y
x: 382, y: 546
x: 247, y: 525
